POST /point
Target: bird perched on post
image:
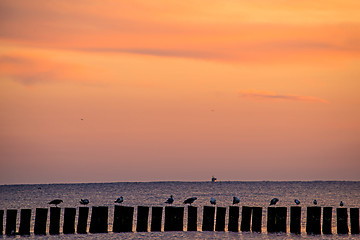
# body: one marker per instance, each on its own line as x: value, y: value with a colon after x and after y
x: 315, y: 202
x: 170, y: 200
x: 297, y: 202
x: 84, y: 201
x: 56, y: 202
x: 190, y: 200
x: 236, y: 200
x: 213, y: 201
x: 341, y: 204
x: 274, y: 201
x: 119, y: 200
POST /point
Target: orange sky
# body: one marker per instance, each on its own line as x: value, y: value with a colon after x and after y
x: 182, y: 90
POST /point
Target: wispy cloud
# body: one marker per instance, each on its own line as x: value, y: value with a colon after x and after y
x: 256, y: 94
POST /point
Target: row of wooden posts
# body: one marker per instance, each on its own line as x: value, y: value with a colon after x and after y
x: 251, y: 220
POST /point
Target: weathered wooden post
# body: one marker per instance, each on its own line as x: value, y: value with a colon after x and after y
x: 313, y: 216
x: 99, y: 220
x: 82, y: 220
x: 1, y: 221
x: 295, y: 219
x: 245, y: 219
x: 142, y: 219
x: 156, y: 218
x: 208, y: 218
x: 342, y: 221
x: 25, y: 218
x: 123, y: 219
x: 69, y: 221
x: 271, y: 216
x: 233, y: 219
x: 54, y: 220
x: 220, y: 219
x: 11, y: 215
x: 40, y: 221
x: 281, y: 214
x: 327, y: 220
x: 256, y: 219
x: 192, y: 219
x: 354, y: 220
x: 174, y: 218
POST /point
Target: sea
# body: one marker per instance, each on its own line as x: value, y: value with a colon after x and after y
x: 254, y: 194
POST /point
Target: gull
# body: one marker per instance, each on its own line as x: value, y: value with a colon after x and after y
x: 119, y: 200
x: 213, y: 201
x: 170, y: 200
x: 190, y: 200
x: 236, y: 200
x: 341, y: 204
x: 84, y: 201
x: 315, y: 202
x: 274, y: 201
x: 56, y: 202
x: 297, y: 202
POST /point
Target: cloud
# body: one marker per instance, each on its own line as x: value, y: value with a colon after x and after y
x: 256, y: 94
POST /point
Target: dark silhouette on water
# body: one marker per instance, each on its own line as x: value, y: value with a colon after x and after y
x: 213, y: 201
x: 119, y: 200
x: 190, y: 200
x: 236, y: 200
x: 341, y: 204
x: 315, y: 202
x: 297, y: 202
x: 55, y: 202
x: 84, y: 201
x: 170, y: 200
x: 274, y: 201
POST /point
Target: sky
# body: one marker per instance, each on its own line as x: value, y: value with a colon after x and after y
x: 179, y: 90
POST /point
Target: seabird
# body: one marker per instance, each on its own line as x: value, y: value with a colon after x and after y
x: 170, y: 200
x: 56, y: 202
x: 119, y: 200
x: 315, y: 202
x: 341, y: 204
x: 190, y: 200
x: 297, y: 202
x: 236, y: 200
x: 212, y: 201
x: 274, y: 201
x: 84, y: 201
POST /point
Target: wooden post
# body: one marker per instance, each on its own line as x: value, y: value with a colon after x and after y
x: 313, y: 217
x: 256, y: 219
x: 281, y: 214
x: 342, y: 221
x: 40, y: 221
x: 208, y: 218
x: 11, y: 215
x: 69, y: 221
x: 174, y: 218
x: 192, y: 219
x: 156, y: 217
x: 327, y: 220
x: 142, y: 219
x: 99, y: 220
x: 295, y: 219
x: 25, y: 218
x: 233, y: 219
x: 123, y: 219
x: 1, y: 221
x: 82, y: 220
x: 354, y: 220
x: 245, y: 219
x: 54, y: 220
x: 220, y: 219
x: 271, y: 215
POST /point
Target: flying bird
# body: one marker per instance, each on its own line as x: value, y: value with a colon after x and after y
x: 236, y: 200
x: 297, y: 202
x: 190, y: 200
x: 274, y: 201
x: 170, y: 200
x: 119, y: 200
x: 213, y: 201
x: 84, y: 201
x: 56, y: 202
x: 341, y: 204
x: 315, y: 202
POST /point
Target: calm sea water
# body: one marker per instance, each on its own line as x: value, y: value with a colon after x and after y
x: 155, y: 194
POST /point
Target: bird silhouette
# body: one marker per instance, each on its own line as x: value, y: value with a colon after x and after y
x: 190, y: 200
x: 55, y: 202
x: 274, y: 201
x: 297, y: 202
x: 170, y: 200
x: 84, y: 201
x: 213, y: 201
x: 315, y: 202
x: 341, y: 204
x: 119, y: 200
x: 236, y: 200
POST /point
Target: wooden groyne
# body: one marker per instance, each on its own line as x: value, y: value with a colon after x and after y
x: 213, y: 219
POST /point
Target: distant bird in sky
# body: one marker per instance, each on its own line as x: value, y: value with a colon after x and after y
x: 315, y: 202
x: 297, y: 202
x: 341, y: 204
x: 170, y: 200
x: 190, y: 200
x: 236, y: 200
x: 274, y: 201
x: 84, y: 201
x: 55, y: 202
x: 119, y: 200
x: 213, y: 201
